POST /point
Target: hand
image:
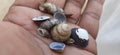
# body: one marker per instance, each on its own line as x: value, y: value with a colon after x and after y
x: 25, y: 40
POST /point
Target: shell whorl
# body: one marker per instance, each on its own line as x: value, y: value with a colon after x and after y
x: 50, y: 8
x: 61, y: 32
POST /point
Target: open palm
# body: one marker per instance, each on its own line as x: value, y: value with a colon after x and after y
x: 25, y: 38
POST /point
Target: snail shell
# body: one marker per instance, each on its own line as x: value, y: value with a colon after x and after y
x: 61, y: 32
x: 50, y: 8
x: 80, y: 36
x: 49, y: 23
x: 43, y: 32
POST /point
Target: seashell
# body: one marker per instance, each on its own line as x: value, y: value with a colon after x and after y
x: 57, y: 46
x: 43, y: 32
x: 60, y: 16
x: 80, y: 36
x: 61, y: 32
x: 50, y: 8
x: 41, y: 18
x: 49, y: 23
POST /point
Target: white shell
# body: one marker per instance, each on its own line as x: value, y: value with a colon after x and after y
x: 40, y: 18
x: 82, y: 33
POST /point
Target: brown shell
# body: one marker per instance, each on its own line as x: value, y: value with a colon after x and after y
x: 49, y: 23
x: 61, y: 32
x: 50, y: 8
x: 43, y: 32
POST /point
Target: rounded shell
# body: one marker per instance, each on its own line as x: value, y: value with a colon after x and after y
x: 57, y: 46
x: 61, y: 32
x: 43, y: 32
x: 80, y: 36
x: 60, y: 16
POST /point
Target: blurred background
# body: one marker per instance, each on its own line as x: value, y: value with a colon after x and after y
x: 4, y: 7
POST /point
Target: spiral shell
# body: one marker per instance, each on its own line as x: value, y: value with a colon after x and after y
x: 50, y: 8
x: 49, y: 23
x: 61, y: 32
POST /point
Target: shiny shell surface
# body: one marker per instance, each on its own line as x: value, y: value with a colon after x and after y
x: 57, y: 46
x: 80, y: 36
x: 60, y: 16
x: 41, y: 18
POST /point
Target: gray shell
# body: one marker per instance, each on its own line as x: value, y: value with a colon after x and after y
x: 57, y: 46
x: 60, y: 16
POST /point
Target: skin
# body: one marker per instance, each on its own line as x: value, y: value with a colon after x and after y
x: 18, y: 31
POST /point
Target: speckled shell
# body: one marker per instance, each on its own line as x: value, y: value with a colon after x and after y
x: 61, y: 32
x: 50, y: 8
x: 48, y: 24
x: 80, y: 36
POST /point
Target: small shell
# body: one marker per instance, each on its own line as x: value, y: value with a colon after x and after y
x: 57, y: 46
x: 61, y: 32
x: 70, y: 41
x: 49, y: 23
x: 41, y: 18
x: 80, y: 36
x: 43, y: 32
x: 60, y: 16
x: 50, y: 8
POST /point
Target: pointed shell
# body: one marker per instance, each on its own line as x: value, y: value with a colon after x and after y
x: 61, y: 32
x: 80, y: 36
x: 41, y: 18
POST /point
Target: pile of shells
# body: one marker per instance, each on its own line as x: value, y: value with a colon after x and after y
x: 58, y: 30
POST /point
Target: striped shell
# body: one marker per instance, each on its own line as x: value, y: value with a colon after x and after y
x: 50, y: 8
x: 49, y: 23
x: 61, y: 32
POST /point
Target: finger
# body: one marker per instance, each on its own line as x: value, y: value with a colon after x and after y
x: 91, y: 48
x: 74, y: 7
x: 29, y: 3
x: 59, y: 3
x: 91, y: 15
